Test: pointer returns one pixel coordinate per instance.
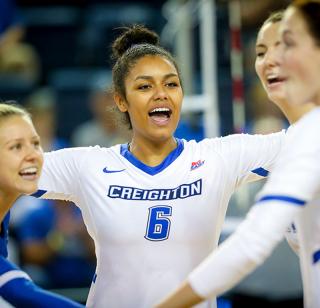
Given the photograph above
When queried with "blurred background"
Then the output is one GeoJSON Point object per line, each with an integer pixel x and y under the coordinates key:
{"type": "Point", "coordinates": [55, 60]}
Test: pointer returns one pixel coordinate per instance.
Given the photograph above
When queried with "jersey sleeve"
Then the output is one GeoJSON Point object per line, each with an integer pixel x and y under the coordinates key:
{"type": "Point", "coordinates": [18, 289]}
{"type": "Point", "coordinates": [61, 173]}
{"type": "Point", "coordinates": [292, 238]}
{"type": "Point", "coordinates": [293, 183]}
{"type": "Point", "coordinates": [250, 157]}
{"type": "Point", "coordinates": [297, 171]}
{"type": "Point", "coordinates": [244, 250]}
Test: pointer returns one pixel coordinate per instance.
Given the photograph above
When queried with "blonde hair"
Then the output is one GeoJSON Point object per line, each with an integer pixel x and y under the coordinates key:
{"type": "Point", "coordinates": [11, 108]}
{"type": "Point", "coordinates": [273, 18]}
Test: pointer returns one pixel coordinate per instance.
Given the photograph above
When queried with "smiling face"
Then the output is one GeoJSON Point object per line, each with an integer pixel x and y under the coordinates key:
{"type": "Point", "coordinates": [21, 156]}
{"type": "Point", "coordinates": [268, 62]}
{"type": "Point", "coordinates": [153, 98]}
{"type": "Point", "coordinates": [301, 59]}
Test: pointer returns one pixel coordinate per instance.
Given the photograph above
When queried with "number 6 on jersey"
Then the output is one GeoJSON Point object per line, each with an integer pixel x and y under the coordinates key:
{"type": "Point", "coordinates": [158, 226]}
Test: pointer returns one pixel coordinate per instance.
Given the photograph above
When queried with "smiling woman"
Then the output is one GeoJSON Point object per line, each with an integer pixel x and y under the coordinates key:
{"type": "Point", "coordinates": [20, 156]}
{"type": "Point", "coordinates": [21, 162]}
{"type": "Point", "coordinates": [154, 207]}
{"type": "Point", "coordinates": [151, 99]}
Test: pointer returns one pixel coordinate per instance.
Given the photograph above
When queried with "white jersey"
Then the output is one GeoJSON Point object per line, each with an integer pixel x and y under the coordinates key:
{"type": "Point", "coordinates": [153, 225]}
{"type": "Point", "coordinates": [292, 193]}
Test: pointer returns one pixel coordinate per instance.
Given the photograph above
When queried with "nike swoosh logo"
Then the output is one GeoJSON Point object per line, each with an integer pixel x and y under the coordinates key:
{"type": "Point", "coordinates": [106, 170]}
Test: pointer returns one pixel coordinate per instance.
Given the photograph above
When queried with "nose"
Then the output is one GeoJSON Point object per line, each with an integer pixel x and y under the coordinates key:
{"type": "Point", "coordinates": [33, 154]}
{"type": "Point", "coordinates": [160, 93]}
{"type": "Point", "coordinates": [281, 53]}
{"type": "Point", "coordinates": [273, 57]}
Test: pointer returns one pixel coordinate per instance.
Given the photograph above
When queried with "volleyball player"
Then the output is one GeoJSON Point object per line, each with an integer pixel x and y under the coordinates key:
{"type": "Point", "coordinates": [21, 162]}
{"type": "Point", "coordinates": [154, 207]}
{"type": "Point", "coordinates": [292, 188]}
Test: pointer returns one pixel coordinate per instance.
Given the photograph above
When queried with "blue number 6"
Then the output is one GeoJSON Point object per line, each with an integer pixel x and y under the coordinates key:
{"type": "Point", "coordinates": [158, 226]}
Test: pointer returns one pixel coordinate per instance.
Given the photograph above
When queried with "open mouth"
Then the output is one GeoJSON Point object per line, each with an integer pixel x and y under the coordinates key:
{"type": "Point", "coordinates": [160, 115]}
{"type": "Point", "coordinates": [160, 112]}
{"type": "Point", "coordinates": [29, 173]}
{"type": "Point", "coordinates": [273, 80]}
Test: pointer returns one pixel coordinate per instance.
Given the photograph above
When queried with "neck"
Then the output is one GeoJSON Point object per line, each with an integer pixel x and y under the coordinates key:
{"type": "Point", "coordinates": [152, 153]}
{"type": "Point", "coordinates": [293, 114]}
{"type": "Point", "coordinates": [6, 202]}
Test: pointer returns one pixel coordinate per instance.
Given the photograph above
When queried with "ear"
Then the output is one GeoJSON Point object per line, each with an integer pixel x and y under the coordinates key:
{"type": "Point", "coordinates": [120, 102]}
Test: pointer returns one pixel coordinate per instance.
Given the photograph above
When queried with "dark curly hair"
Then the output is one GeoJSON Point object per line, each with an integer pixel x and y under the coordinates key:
{"type": "Point", "coordinates": [134, 43]}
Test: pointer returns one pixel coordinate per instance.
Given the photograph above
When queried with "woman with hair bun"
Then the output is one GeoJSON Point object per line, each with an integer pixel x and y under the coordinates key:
{"type": "Point", "coordinates": [155, 206]}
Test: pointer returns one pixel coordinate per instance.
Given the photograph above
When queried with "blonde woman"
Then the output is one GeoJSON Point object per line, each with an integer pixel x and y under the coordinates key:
{"type": "Point", "coordinates": [21, 162]}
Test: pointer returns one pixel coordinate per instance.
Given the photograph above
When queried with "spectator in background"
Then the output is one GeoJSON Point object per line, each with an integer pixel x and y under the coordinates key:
{"type": "Point", "coordinates": [11, 29]}
{"type": "Point", "coordinates": [42, 106]}
{"type": "Point", "coordinates": [17, 58]}
{"type": "Point", "coordinates": [255, 12]}
{"type": "Point", "coordinates": [56, 249]}
{"type": "Point", "coordinates": [103, 129]}
{"type": "Point", "coordinates": [190, 127]}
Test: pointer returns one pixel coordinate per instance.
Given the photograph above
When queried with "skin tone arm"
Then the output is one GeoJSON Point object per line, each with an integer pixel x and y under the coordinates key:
{"type": "Point", "coordinates": [185, 296]}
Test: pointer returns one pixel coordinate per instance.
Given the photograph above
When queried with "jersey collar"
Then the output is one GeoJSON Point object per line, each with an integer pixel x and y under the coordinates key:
{"type": "Point", "coordinates": [156, 169]}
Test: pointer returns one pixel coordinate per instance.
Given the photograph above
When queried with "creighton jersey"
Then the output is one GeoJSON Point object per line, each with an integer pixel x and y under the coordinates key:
{"type": "Point", "coordinates": [291, 194]}
{"type": "Point", "coordinates": [300, 162]}
{"type": "Point", "coordinates": [152, 225]}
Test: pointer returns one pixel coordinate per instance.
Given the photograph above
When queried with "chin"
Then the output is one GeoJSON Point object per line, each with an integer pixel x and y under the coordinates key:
{"type": "Point", "coordinates": [277, 97]}
{"type": "Point", "coordinates": [163, 134]}
{"type": "Point", "coordinates": [29, 190]}
{"type": "Point", "coordinates": [295, 100]}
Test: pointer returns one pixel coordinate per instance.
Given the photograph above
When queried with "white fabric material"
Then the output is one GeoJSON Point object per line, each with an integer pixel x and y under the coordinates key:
{"type": "Point", "coordinates": [296, 176]}
{"type": "Point", "coordinates": [132, 269]}
{"type": "Point", "coordinates": [11, 275]}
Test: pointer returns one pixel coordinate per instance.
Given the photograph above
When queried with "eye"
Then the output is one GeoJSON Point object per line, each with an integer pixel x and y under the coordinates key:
{"type": "Point", "coordinates": [16, 146]}
{"type": "Point", "coordinates": [261, 51]}
{"type": "Point", "coordinates": [260, 54]}
{"type": "Point", "coordinates": [172, 84]}
{"type": "Point", "coordinates": [288, 42]}
{"type": "Point", "coordinates": [36, 144]}
{"type": "Point", "coordinates": [144, 86]}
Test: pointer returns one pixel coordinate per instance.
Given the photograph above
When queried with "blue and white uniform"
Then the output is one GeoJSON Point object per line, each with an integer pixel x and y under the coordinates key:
{"type": "Point", "coordinates": [17, 288]}
{"type": "Point", "coordinates": [292, 193]}
{"type": "Point", "coordinates": [153, 225]}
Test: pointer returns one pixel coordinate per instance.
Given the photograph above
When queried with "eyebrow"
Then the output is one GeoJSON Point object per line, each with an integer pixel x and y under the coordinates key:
{"type": "Point", "coordinates": [144, 77]}
{"type": "Point", "coordinates": [35, 137]}
{"type": "Point", "coordinates": [14, 140]}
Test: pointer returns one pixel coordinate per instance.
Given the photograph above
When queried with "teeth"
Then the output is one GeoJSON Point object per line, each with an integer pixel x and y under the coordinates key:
{"type": "Point", "coordinates": [160, 110]}
{"type": "Point", "coordinates": [272, 77]}
{"type": "Point", "coordinates": [29, 170]}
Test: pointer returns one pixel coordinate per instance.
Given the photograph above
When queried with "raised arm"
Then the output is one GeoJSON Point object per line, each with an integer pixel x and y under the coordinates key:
{"type": "Point", "coordinates": [240, 254]}
{"type": "Point", "coordinates": [294, 182]}
{"type": "Point", "coordinates": [250, 157]}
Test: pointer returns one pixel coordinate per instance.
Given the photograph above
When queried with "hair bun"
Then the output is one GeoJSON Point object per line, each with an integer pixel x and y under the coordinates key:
{"type": "Point", "coordinates": [136, 34]}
